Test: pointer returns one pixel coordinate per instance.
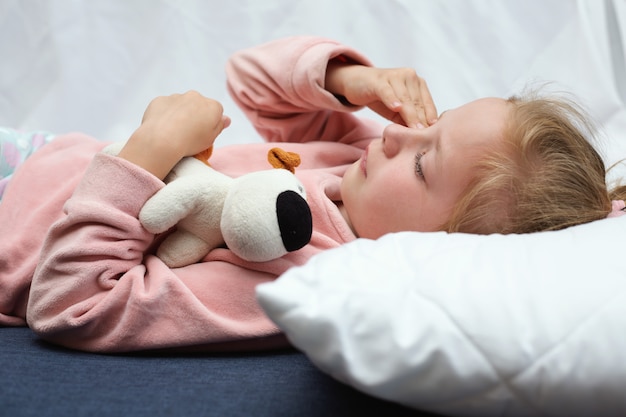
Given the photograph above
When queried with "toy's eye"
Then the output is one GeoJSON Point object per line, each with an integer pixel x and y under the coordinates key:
{"type": "Point", "coordinates": [300, 188]}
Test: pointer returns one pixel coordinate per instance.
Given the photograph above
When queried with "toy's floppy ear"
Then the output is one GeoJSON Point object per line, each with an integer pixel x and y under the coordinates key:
{"type": "Point", "coordinates": [204, 155]}
{"type": "Point", "coordinates": [280, 158]}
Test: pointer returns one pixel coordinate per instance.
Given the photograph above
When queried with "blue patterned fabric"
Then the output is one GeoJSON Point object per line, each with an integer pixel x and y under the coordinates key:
{"type": "Point", "coordinates": [15, 147]}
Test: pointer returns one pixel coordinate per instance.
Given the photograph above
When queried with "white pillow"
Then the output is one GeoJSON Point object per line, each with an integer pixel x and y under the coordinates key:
{"type": "Point", "coordinates": [468, 325]}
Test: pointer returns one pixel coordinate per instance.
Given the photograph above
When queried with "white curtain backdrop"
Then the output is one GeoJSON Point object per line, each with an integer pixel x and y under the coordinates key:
{"type": "Point", "coordinates": [93, 66]}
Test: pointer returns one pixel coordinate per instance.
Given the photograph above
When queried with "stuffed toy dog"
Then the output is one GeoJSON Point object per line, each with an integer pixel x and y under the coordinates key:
{"type": "Point", "coordinates": [259, 216]}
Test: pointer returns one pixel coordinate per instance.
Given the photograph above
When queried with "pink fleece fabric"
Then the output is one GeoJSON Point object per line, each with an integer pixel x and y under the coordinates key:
{"type": "Point", "coordinates": [77, 266]}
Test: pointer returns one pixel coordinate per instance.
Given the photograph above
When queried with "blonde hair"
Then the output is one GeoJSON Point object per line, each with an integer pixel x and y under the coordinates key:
{"type": "Point", "coordinates": [546, 175]}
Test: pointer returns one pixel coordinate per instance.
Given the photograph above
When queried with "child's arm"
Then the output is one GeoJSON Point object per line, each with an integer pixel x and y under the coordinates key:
{"type": "Point", "coordinates": [296, 90]}
{"type": "Point", "coordinates": [97, 287]}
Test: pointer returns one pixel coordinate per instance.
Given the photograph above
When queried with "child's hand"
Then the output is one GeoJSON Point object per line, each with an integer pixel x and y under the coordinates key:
{"type": "Point", "coordinates": [174, 127]}
{"type": "Point", "coordinates": [190, 120]}
{"type": "Point", "coordinates": [397, 94]}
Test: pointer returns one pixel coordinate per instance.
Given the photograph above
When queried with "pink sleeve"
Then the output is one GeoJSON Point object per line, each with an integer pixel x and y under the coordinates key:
{"type": "Point", "coordinates": [280, 87]}
{"type": "Point", "coordinates": [95, 289]}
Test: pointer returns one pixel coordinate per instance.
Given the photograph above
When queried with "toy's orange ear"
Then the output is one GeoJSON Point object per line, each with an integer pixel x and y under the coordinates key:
{"type": "Point", "coordinates": [279, 158]}
{"type": "Point", "coordinates": [204, 155]}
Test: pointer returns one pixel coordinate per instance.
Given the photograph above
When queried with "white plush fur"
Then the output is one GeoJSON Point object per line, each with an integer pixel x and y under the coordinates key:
{"type": "Point", "coordinates": [210, 209]}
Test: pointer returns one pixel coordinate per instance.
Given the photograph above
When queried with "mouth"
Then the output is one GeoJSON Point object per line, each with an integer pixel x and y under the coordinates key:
{"type": "Point", "coordinates": [363, 164]}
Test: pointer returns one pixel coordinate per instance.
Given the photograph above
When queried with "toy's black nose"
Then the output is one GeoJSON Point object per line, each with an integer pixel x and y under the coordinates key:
{"type": "Point", "coordinates": [294, 220]}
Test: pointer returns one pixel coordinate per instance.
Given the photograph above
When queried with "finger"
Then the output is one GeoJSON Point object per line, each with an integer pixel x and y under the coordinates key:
{"type": "Point", "coordinates": [222, 124]}
{"type": "Point", "coordinates": [423, 102]}
{"type": "Point", "coordinates": [387, 95]}
{"type": "Point", "coordinates": [412, 111]}
{"type": "Point", "coordinates": [225, 121]}
{"type": "Point", "coordinates": [429, 104]}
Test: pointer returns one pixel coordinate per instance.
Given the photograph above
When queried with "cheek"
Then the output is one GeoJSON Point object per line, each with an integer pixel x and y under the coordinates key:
{"type": "Point", "coordinates": [385, 204]}
{"type": "Point", "coordinates": [394, 185]}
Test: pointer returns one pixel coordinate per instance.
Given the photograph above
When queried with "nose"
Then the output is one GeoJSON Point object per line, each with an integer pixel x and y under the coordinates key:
{"type": "Point", "coordinates": [397, 137]}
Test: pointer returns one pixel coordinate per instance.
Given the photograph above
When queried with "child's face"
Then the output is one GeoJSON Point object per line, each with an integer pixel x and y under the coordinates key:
{"type": "Point", "coordinates": [384, 191]}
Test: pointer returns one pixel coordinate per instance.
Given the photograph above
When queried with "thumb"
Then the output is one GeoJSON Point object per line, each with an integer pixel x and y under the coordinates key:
{"type": "Point", "coordinates": [225, 121]}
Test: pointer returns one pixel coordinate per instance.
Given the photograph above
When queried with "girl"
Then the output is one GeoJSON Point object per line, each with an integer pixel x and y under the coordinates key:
{"type": "Point", "coordinates": [77, 266]}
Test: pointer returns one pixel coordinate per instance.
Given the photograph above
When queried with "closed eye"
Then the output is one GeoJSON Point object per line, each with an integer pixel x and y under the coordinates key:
{"type": "Point", "coordinates": [418, 166]}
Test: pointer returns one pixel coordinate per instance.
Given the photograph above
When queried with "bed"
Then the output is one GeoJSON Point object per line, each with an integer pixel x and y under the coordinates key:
{"type": "Point", "coordinates": [513, 325]}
